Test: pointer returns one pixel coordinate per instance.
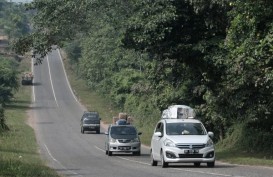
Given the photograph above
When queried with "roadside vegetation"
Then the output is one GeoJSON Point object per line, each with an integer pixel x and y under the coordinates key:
{"type": "Point", "coordinates": [19, 154]}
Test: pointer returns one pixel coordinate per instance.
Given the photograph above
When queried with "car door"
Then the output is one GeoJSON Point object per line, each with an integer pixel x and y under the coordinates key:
{"type": "Point", "coordinates": [107, 139]}
{"type": "Point", "coordinates": [156, 141]}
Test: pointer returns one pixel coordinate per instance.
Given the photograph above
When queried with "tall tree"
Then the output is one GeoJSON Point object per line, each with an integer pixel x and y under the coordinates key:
{"type": "Point", "coordinates": [8, 79]}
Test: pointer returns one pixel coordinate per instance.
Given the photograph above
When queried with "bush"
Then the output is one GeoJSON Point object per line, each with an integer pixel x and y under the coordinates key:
{"type": "Point", "coordinates": [245, 138]}
{"type": "Point", "coordinates": [3, 125]}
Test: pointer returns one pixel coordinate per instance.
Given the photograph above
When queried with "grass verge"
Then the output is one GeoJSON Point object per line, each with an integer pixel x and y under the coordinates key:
{"type": "Point", "coordinates": [19, 154]}
{"type": "Point", "coordinates": [245, 158]}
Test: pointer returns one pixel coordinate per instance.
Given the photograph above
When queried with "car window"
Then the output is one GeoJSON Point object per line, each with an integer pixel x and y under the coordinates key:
{"type": "Point", "coordinates": [123, 132]}
{"type": "Point", "coordinates": [90, 115]}
{"type": "Point", "coordinates": [120, 130]}
{"type": "Point", "coordinates": [185, 129]}
{"type": "Point", "coordinates": [91, 120]}
{"type": "Point", "coordinates": [160, 127]}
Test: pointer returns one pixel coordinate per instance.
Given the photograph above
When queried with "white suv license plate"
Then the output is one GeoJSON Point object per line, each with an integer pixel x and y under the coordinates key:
{"type": "Point", "coordinates": [191, 151]}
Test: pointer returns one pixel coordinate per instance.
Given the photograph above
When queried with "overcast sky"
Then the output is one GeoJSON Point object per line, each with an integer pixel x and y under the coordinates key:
{"type": "Point", "coordinates": [19, 0]}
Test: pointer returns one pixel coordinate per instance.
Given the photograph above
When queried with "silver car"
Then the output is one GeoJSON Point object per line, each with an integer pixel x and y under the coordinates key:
{"type": "Point", "coordinates": [122, 138]}
{"type": "Point", "coordinates": [182, 141]}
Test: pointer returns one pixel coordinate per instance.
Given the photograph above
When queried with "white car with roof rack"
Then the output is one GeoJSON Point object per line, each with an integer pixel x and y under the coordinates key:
{"type": "Point", "coordinates": [179, 138]}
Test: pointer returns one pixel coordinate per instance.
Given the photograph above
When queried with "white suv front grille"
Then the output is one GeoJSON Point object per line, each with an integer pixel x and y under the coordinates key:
{"type": "Point", "coordinates": [190, 146]}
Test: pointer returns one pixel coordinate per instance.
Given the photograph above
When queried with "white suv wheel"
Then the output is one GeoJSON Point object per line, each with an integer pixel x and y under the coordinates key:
{"type": "Point", "coordinates": [153, 162]}
{"type": "Point", "coordinates": [163, 163]}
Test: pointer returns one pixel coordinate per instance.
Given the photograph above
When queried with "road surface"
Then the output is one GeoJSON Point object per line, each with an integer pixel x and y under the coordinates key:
{"type": "Point", "coordinates": [56, 119]}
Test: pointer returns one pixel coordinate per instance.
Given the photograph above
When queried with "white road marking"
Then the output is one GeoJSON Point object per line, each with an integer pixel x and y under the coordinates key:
{"type": "Point", "coordinates": [51, 81]}
{"type": "Point", "coordinates": [206, 173]}
{"type": "Point", "coordinates": [99, 149]}
{"type": "Point", "coordinates": [143, 163]}
{"type": "Point", "coordinates": [191, 171]}
{"type": "Point", "coordinates": [51, 156]}
{"type": "Point", "coordinates": [67, 77]}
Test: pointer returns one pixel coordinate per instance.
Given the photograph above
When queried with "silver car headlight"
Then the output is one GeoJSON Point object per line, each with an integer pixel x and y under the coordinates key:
{"type": "Point", "coordinates": [112, 140]}
{"type": "Point", "coordinates": [169, 143]}
{"type": "Point", "coordinates": [209, 143]}
{"type": "Point", "coordinates": [135, 140]}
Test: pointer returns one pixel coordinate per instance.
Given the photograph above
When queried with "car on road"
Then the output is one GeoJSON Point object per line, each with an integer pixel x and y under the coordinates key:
{"type": "Point", "coordinates": [90, 121]}
{"type": "Point", "coordinates": [27, 78]}
{"type": "Point", "coordinates": [182, 141]}
{"type": "Point", "coordinates": [122, 138]}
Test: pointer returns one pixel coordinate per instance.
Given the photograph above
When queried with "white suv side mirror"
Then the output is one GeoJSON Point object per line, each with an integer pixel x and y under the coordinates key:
{"type": "Point", "coordinates": [158, 134]}
{"type": "Point", "coordinates": [211, 134]}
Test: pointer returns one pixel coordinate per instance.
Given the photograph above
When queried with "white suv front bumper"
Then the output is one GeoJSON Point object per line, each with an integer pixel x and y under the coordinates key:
{"type": "Point", "coordinates": [176, 155]}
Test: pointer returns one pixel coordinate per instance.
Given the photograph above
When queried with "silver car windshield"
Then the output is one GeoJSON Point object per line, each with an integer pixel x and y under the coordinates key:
{"type": "Point", "coordinates": [123, 132]}
{"type": "Point", "coordinates": [185, 129]}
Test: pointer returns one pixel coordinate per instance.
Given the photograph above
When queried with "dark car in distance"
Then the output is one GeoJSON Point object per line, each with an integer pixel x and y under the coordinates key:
{"type": "Point", "coordinates": [90, 121]}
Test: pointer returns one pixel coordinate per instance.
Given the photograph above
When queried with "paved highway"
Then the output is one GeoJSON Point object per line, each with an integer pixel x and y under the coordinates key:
{"type": "Point", "coordinates": [56, 120]}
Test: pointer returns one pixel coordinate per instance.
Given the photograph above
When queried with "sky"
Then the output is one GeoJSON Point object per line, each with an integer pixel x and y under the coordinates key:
{"type": "Point", "coordinates": [19, 0]}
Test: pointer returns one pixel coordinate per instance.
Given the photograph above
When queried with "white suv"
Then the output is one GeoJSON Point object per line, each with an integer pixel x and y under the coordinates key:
{"type": "Point", "coordinates": [182, 141]}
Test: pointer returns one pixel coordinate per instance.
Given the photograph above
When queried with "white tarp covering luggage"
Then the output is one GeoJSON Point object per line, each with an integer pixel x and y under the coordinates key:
{"type": "Point", "coordinates": [178, 112]}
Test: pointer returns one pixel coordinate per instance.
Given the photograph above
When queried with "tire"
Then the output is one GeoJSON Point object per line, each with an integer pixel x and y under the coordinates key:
{"type": "Point", "coordinates": [98, 131]}
{"type": "Point", "coordinates": [197, 164]}
{"type": "Point", "coordinates": [106, 152]}
{"type": "Point", "coordinates": [82, 130]}
{"type": "Point", "coordinates": [153, 162]}
{"type": "Point", "coordinates": [163, 163]}
{"type": "Point", "coordinates": [110, 153]}
{"type": "Point", "coordinates": [211, 164]}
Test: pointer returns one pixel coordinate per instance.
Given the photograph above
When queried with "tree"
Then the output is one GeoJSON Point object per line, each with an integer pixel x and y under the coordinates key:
{"type": "Point", "coordinates": [8, 80]}
{"type": "Point", "coordinates": [54, 23]}
{"type": "Point", "coordinates": [8, 83]}
{"type": "Point", "coordinates": [249, 76]}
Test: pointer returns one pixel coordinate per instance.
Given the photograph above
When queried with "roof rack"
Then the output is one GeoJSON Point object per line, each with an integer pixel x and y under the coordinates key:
{"type": "Point", "coordinates": [178, 112]}
{"type": "Point", "coordinates": [122, 119]}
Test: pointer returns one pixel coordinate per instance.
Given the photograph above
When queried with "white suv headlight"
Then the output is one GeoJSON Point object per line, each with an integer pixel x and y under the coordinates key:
{"type": "Point", "coordinates": [169, 143]}
{"type": "Point", "coordinates": [209, 143]}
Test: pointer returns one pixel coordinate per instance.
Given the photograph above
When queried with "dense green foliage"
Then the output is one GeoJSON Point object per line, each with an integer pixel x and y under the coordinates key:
{"type": "Point", "coordinates": [13, 19]}
{"type": "Point", "coordinates": [8, 84]}
{"type": "Point", "coordinates": [13, 24]}
{"type": "Point", "coordinates": [8, 79]}
{"type": "Point", "coordinates": [145, 55]}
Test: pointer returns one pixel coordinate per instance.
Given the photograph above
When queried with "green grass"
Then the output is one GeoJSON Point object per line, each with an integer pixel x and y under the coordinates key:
{"type": "Point", "coordinates": [244, 158]}
{"type": "Point", "coordinates": [19, 154]}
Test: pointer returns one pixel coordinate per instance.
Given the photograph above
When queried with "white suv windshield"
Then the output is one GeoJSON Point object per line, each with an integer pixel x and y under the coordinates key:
{"type": "Point", "coordinates": [185, 129]}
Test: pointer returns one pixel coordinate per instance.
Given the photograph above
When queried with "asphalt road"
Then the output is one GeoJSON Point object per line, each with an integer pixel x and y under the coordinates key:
{"type": "Point", "coordinates": [56, 119]}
